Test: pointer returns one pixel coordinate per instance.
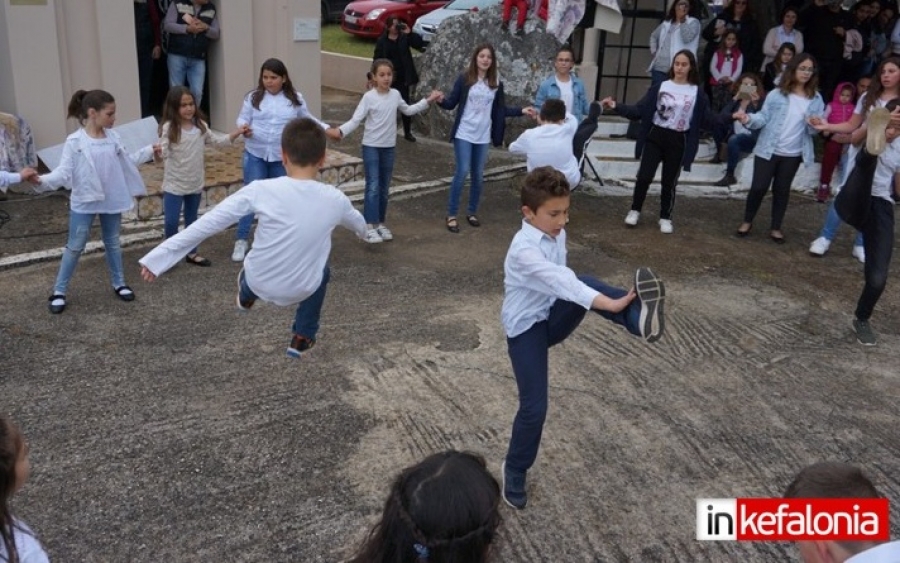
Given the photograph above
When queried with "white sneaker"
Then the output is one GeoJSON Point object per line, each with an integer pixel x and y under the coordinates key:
{"type": "Point", "coordinates": [372, 236]}
{"type": "Point", "coordinates": [819, 246]}
{"type": "Point", "coordinates": [665, 226]}
{"type": "Point", "coordinates": [385, 233]}
{"type": "Point", "coordinates": [632, 218]}
{"type": "Point", "coordinates": [240, 250]}
{"type": "Point", "coordinates": [859, 252]}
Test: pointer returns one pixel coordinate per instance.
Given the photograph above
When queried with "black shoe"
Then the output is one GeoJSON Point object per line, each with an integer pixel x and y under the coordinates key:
{"type": "Point", "coordinates": [409, 137]}
{"type": "Point", "coordinates": [715, 159]}
{"type": "Point", "coordinates": [56, 303]}
{"type": "Point", "coordinates": [299, 346]}
{"type": "Point", "coordinates": [726, 181]}
{"type": "Point", "coordinates": [652, 293]}
{"type": "Point", "coordinates": [124, 293]}
{"type": "Point", "coordinates": [473, 220]}
{"type": "Point", "coordinates": [243, 305]}
{"type": "Point", "coordinates": [514, 488]}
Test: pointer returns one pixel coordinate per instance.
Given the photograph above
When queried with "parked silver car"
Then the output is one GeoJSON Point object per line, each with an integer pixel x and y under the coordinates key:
{"type": "Point", "coordinates": [427, 25]}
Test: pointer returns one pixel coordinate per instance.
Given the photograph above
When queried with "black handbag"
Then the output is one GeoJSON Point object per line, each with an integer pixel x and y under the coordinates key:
{"type": "Point", "coordinates": [853, 201]}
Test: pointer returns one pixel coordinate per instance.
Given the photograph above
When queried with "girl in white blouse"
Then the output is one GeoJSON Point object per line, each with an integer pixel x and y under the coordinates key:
{"type": "Point", "coordinates": [266, 110]}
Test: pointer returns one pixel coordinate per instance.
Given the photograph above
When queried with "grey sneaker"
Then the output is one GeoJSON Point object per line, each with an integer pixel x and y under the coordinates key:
{"type": "Point", "coordinates": [513, 488]}
{"type": "Point", "coordinates": [652, 293]}
{"type": "Point", "coordinates": [864, 333]}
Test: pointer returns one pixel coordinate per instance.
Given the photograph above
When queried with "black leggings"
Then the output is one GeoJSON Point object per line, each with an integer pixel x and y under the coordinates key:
{"type": "Point", "coordinates": [666, 146]}
{"type": "Point", "coordinates": [779, 172]}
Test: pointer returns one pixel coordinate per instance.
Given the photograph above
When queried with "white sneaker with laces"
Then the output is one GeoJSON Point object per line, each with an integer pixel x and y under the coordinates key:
{"type": "Point", "coordinates": [859, 252]}
{"type": "Point", "coordinates": [385, 233]}
{"type": "Point", "coordinates": [372, 236]}
{"type": "Point", "coordinates": [240, 250]}
{"type": "Point", "coordinates": [665, 226]}
{"type": "Point", "coordinates": [819, 246]}
{"type": "Point", "coordinates": [632, 218]}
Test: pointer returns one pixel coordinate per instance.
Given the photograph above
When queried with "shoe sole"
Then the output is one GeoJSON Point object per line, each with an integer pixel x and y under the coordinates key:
{"type": "Point", "coordinates": [503, 489]}
{"type": "Point", "coordinates": [652, 293]}
{"type": "Point", "coordinates": [876, 123]}
{"type": "Point", "coordinates": [295, 354]}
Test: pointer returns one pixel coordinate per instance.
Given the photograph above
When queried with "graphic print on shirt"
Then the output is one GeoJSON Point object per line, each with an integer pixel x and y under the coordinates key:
{"type": "Point", "coordinates": [673, 110]}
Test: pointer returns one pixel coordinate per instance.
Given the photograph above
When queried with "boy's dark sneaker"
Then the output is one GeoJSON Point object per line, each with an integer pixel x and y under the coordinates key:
{"type": "Point", "coordinates": [864, 333]}
{"type": "Point", "coordinates": [299, 346]}
{"type": "Point", "coordinates": [652, 293]}
{"type": "Point", "coordinates": [513, 488]}
{"type": "Point", "coordinates": [243, 304]}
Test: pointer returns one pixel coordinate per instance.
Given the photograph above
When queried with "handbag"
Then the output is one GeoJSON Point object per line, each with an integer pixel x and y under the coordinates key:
{"type": "Point", "coordinates": [853, 201]}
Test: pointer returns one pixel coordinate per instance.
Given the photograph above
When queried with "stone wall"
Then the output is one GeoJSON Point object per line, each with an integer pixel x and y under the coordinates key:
{"type": "Point", "coordinates": [523, 63]}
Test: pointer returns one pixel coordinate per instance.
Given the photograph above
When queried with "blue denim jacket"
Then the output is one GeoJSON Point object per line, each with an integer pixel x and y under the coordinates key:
{"type": "Point", "coordinates": [771, 120]}
{"type": "Point", "coordinates": [549, 90]}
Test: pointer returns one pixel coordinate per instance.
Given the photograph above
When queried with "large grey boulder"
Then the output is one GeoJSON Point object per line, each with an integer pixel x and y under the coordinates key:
{"type": "Point", "coordinates": [523, 62]}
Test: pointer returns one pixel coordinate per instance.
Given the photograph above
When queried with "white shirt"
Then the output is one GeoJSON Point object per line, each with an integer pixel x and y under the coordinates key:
{"type": "Point", "coordinates": [884, 553]}
{"type": "Point", "coordinates": [267, 123]}
{"type": "Point", "coordinates": [790, 142]}
{"type": "Point", "coordinates": [675, 106]}
{"type": "Point", "coordinates": [550, 145]}
{"type": "Point", "coordinates": [888, 166]}
{"type": "Point", "coordinates": [565, 94]}
{"type": "Point", "coordinates": [293, 236]}
{"type": "Point", "coordinates": [27, 546]}
{"type": "Point", "coordinates": [475, 123]}
{"type": "Point", "coordinates": [185, 164]}
{"type": "Point", "coordinates": [7, 178]}
{"type": "Point", "coordinates": [380, 113]}
{"type": "Point", "coordinates": [116, 198]}
{"type": "Point", "coordinates": [535, 276]}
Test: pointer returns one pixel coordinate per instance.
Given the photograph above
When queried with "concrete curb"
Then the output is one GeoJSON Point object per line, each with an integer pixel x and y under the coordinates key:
{"type": "Point", "coordinates": [151, 230]}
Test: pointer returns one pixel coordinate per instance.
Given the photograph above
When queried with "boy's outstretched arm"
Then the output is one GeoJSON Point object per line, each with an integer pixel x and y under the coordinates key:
{"type": "Point", "coordinates": [604, 303]}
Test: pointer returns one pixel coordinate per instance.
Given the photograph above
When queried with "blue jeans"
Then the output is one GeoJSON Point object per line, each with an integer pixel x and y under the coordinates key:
{"type": "Point", "coordinates": [79, 233]}
{"type": "Point", "coordinates": [738, 145]}
{"type": "Point", "coordinates": [194, 70]}
{"type": "Point", "coordinates": [832, 222]}
{"type": "Point", "coordinates": [256, 168]}
{"type": "Point", "coordinates": [172, 210]}
{"type": "Point", "coordinates": [379, 165]}
{"type": "Point", "coordinates": [878, 231]}
{"type": "Point", "coordinates": [469, 158]}
{"type": "Point", "coordinates": [529, 354]}
{"type": "Point", "coordinates": [306, 318]}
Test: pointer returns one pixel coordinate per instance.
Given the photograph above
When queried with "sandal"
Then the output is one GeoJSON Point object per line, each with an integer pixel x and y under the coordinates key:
{"type": "Point", "coordinates": [125, 293]}
{"type": "Point", "coordinates": [197, 260]}
{"type": "Point", "coordinates": [473, 220]}
{"type": "Point", "coordinates": [56, 303]}
{"type": "Point", "coordinates": [452, 225]}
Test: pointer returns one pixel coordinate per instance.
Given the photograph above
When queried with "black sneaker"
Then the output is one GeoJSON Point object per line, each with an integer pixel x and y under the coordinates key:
{"type": "Point", "coordinates": [652, 293]}
{"type": "Point", "coordinates": [727, 180]}
{"type": "Point", "coordinates": [243, 304]}
{"type": "Point", "coordinates": [299, 346]}
{"type": "Point", "coordinates": [56, 303]}
{"type": "Point", "coordinates": [864, 333]}
{"type": "Point", "coordinates": [513, 488]}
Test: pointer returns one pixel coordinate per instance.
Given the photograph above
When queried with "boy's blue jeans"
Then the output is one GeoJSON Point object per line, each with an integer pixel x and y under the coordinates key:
{"type": "Point", "coordinates": [306, 318]}
{"type": "Point", "coordinates": [172, 211]}
{"type": "Point", "coordinates": [529, 353]}
{"type": "Point", "coordinates": [832, 222]}
{"type": "Point", "coordinates": [379, 166]}
{"type": "Point", "coordinates": [470, 160]}
{"type": "Point", "coordinates": [79, 233]}
{"type": "Point", "coordinates": [256, 168]}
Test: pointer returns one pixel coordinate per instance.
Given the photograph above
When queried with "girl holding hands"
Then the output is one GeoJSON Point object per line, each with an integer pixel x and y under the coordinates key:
{"type": "Point", "coordinates": [378, 107]}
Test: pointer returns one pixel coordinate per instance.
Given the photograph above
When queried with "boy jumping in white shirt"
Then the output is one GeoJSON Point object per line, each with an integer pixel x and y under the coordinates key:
{"type": "Point", "coordinates": [288, 263]}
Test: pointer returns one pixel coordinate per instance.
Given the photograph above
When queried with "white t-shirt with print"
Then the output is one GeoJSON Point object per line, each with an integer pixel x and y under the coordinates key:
{"type": "Point", "coordinates": [675, 106]}
{"type": "Point", "coordinates": [475, 124]}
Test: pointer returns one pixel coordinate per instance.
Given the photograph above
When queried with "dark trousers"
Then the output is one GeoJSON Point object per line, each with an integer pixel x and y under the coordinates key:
{"type": "Point", "coordinates": [143, 35]}
{"type": "Point", "coordinates": [779, 172]}
{"type": "Point", "coordinates": [878, 239]}
{"type": "Point", "coordinates": [404, 93]}
{"type": "Point", "coordinates": [529, 353]}
{"type": "Point", "coordinates": [666, 146]}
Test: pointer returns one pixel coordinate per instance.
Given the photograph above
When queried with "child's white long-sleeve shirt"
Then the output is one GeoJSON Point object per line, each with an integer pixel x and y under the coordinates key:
{"type": "Point", "coordinates": [550, 145]}
{"type": "Point", "coordinates": [380, 113]}
{"type": "Point", "coordinates": [7, 178]}
{"type": "Point", "coordinates": [293, 236]}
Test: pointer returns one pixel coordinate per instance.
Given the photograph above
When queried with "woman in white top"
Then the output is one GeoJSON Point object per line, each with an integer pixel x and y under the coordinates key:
{"type": "Point", "coordinates": [183, 135]}
{"type": "Point", "coordinates": [266, 110]}
{"type": "Point", "coordinates": [784, 33]}
{"type": "Point", "coordinates": [784, 141]}
{"type": "Point", "coordinates": [104, 180]}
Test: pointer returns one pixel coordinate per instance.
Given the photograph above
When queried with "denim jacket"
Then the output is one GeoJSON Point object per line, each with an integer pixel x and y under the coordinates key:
{"type": "Point", "coordinates": [549, 90]}
{"type": "Point", "coordinates": [771, 120]}
{"type": "Point", "coordinates": [76, 168]}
